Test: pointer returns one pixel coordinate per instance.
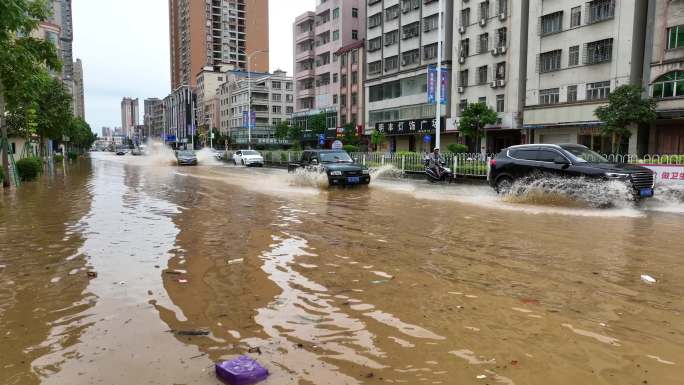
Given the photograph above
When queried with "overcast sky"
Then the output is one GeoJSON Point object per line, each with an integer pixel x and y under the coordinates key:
{"type": "Point", "coordinates": [124, 45]}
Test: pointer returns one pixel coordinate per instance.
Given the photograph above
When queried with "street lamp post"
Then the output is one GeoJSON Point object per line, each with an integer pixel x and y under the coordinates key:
{"type": "Point", "coordinates": [249, 95]}
{"type": "Point", "coordinates": [438, 83]}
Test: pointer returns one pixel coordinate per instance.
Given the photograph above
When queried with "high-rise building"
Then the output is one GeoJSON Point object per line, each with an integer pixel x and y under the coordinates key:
{"type": "Point", "coordinates": [107, 133]}
{"type": "Point", "coordinates": [317, 36]}
{"type": "Point", "coordinates": [491, 66]}
{"type": "Point", "coordinates": [179, 119]}
{"type": "Point", "coordinates": [79, 103]}
{"type": "Point", "coordinates": [153, 117]}
{"type": "Point", "coordinates": [129, 115]}
{"type": "Point", "coordinates": [208, 88]}
{"type": "Point", "coordinates": [664, 77]}
{"type": "Point", "coordinates": [214, 32]}
{"type": "Point", "coordinates": [401, 44]}
{"type": "Point", "coordinates": [578, 52]}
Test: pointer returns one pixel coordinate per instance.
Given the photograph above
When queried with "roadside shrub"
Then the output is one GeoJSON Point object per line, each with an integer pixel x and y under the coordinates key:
{"type": "Point", "coordinates": [59, 158]}
{"type": "Point", "coordinates": [29, 168]}
{"type": "Point", "coordinates": [350, 148]}
{"type": "Point", "coordinates": [72, 155]}
{"type": "Point", "coordinates": [283, 157]}
{"type": "Point", "coordinates": [456, 148]}
{"type": "Point", "coordinates": [406, 153]}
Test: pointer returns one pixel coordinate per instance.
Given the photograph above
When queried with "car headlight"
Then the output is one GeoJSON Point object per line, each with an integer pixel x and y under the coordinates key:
{"type": "Point", "coordinates": [616, 175]}
{"type": "Point", "coordinates": [335, 173]}
{"type": "Point", "coordinates": [365, 172]}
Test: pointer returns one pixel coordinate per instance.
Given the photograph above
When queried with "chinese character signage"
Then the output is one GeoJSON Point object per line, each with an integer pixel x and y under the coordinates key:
{"type": "Point", "coordinates": [432, 85]}
{"type": "Point", "coordinates": [667, 173]}
{"type": "Point", "coordinates": [245, 119]}
{"type": "Point", "coordinates": [409, 127]}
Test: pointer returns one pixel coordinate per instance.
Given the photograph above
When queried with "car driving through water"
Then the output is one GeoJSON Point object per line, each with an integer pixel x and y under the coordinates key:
{"type": "Point", "coordinates": [186, 158]}
{"type": "Point", "coordinates": [339, 167]}
{"type": "Point", "coordinates": [568, 161]}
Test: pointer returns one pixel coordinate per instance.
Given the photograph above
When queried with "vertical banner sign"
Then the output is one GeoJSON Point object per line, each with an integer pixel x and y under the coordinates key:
{"type": "Point", "coordinates": [245, 120]}
{"type": "Point", "coordinates": [431, 84]}
{"type": "Point", "coordinates": [444, 83]}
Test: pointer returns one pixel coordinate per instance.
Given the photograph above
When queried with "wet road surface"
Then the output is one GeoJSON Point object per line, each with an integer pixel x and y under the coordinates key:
{"type": "Point", "coordinates": [401, 282]}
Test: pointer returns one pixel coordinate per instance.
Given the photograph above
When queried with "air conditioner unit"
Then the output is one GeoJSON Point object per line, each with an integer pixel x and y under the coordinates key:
{"type": "Point", "coordinates": [461, 90]}
{"type": "Point", "coordinates": [502, 16]}
{"type": "Point", "coordinates": [461, 30]}
{"type": "Point", "coordinates": [502, 50]}
{"type": "Point", "coordinates": [495, 51]}
{"type": "Point", "coordinates": [461, 59]}
{"type": "Point", "coordinates": [493, 84]}
{"type": "Point", "coordinates": [501, 82]}
{"type": "Point", "coordinates": [483, 22]}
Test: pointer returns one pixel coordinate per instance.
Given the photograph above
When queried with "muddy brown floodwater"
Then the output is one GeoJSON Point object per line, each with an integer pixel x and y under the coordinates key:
{"type": "Point", "coordinates": [397, 283]}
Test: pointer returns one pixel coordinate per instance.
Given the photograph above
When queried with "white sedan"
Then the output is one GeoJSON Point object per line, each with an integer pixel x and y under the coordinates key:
{"type": "Point", "coordinates": [248, 158]}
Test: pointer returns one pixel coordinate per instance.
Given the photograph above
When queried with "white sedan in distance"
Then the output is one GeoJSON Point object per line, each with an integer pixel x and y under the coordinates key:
{"type": "Point", "coordinates": [248, 158]}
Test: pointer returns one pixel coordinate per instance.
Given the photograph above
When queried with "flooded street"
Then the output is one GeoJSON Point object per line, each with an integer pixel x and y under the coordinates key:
{"type": "Point", "coordinates": [401, 282]}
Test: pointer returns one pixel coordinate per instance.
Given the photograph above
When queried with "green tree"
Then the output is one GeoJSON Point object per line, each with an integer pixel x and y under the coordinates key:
{"type": "Point", "coordinates": [80, 135]}
{"type": "Point", "coordinates": [294, 134]}
{"type": "Point", "coordinates": [317, 124]}
{"type": "Point", "coordinates": [473, 120]}
{"type": "Point", "coordinates": [625, 108]}
{"type": "Point", "coordinates": [377, 139]}
{"type": "Point", "coordinates": [282, 130]}
{"type": "Point", "coordinates": [350, 136]}
{"type": "Point", "coordinates": [54, 113]}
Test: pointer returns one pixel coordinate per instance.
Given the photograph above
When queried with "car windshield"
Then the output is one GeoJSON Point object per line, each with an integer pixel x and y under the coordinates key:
{"type": "Point", "coordinates": [186, 153]}
{"type": "Point", "coordinates": [584, 155]}
{"type": "Point", "coordinates": [249, 152]}
{"type": "Point", "coordinates": [335, 157]}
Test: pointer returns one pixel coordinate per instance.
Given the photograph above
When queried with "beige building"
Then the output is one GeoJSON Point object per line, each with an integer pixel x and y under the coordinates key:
{"type": "Point", "coordinates": [129, 116]}
{"type": "Point", "coordinates": [664, 77]}
{"type": "Point", "coordinates": [79, 93]}
{"type": "Point", "coordinates": [578, 52]}
{"type": "Point", "coordinates": [490, 43]}
{"type": "Point", "coordinates": [212, 32]}
{"type": "Point", "coordinates": [351, 59]}
{"type": "Point", "coordinates": [208, 88]}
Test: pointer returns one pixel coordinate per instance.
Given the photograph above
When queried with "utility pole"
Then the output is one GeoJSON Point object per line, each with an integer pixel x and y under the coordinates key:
{"type": "Point", "coordinates": [438, 83]}
{"type": "Point", "coordinates": [249, 95]}
{"type": "Point", "coordinates": [5, 143]}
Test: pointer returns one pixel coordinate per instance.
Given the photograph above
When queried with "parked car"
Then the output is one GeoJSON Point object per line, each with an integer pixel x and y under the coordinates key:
{"type": "Point", "coordinates": [248, 158]}
{"type": "Point", "coordinates": [186, 158]}
{"type": "Point", "coordinates": [218, 154]}
{"type": "Point", "coordinates": [137, 151]}
{"type": "Point", "coordinates": [565, 160]}
{"type": "Point", "coordinates": [336, 164]}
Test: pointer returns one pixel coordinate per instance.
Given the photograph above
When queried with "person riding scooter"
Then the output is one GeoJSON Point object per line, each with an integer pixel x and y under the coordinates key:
{"type": "Point", "coordinates": [436, 162]}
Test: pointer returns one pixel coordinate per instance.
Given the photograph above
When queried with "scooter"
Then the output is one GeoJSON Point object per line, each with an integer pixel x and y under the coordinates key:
{"type": "Point", "coordinates": [446, 175]}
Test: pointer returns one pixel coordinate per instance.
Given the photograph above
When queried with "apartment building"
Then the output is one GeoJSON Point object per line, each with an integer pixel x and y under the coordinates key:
{"type": "Point", "coordinates": [209, 81]}
{"type": "Point", "coordinates": [664, 77]}
{"type": "Point", "coordinates": [578, 53]}
{"type": "Point", "coordinates": [352, 59]}
{"type": "Point", "coordinates": [491, 66]}
{"type": "Point", "coordinates": [402, 43]}
{"type": "Point", "coordinates": [317, 36]}
{"type": "Point", "coordinates": [153, 117]}
{"type": "Point", "coordinates": [213, 32]}
{"type": "Point", "coordinates": [272, 102]}
{"type": "Point", "coordinates": [130, 110]}
{"type": "Point", "coordinates": [79, 92]}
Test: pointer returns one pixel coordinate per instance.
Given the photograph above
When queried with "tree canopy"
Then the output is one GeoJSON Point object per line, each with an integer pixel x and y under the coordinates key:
{"type": "Point", "coordinates": [625, 108]}
{"type": "Point", "coordinates": [474, 118]}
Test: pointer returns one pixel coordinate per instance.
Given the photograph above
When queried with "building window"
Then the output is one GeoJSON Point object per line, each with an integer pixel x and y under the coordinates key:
{"type": "Point", "coordinates": [354, 56]}
{"type": "Point", "coordinates": [391, 63]}
{"type": "Point", "coordinates": [501, 71]}
{"type": "Point", "coordinates": [551, 23]}
{"type": "Point", "coordinates": [482, 99]}
{"type": "Point", "coordinates": [548, 96]}
{"type": "Point", "coordinates": [430, 52]}
{"type": "Point", "coordinates": [465, 17]}
{"type": "Point", "coordinates": [669, 85]}
{"type": "Point", "coordinates": [600, 10]}
{"type": "Point", "coordinates": [410, 58]}
{"type": "Point", "coordinates": [501, 35]}
{"type": "Point", "coordinates": [335, 99]}
{"type": "Point", "coordinates": [573, 56]}
{"type": "Point", "coordinates": [334, 78]}
{"type": "Point", "coordinates": [465, 48]}
{"type": "Point", "coordinates": [572, 94]}
{"type": "Point", "coordinates": [430, 23]}
{"type": "Point", "coordinates": [336, 13]}
{"type": "Point", "coordinates": [288, 86]}
{"type": "Point", "coordinates": [482, 75]}
{"type": "Point", "coordinates": [550, 61]}
{"type": "Point", "coordinates": [375, 67]}
{"type": "Point", "coordinates": [355, 12]}
{"type": "Point", "coordinates": [675, 37]}
{"type": "Point", "coordinates": [500, 103]}
{"type": "Point", "coordinates": [391, 37]}
{"type": "Point", "coordinates": [355, 34]}
{"type": "Point", "coordinates": [336, 35]}
{"type": "Point", "coordinates": [463, 78]}
{"type": "Point", "coordinates": [354, 77]}
{"type": "Point", "coordinates": [575, 17]}
{"type": "Point", "coordinates": [276, 85]}
{"type": "Point", "coordinates": [289, 109]}
{"type": "Point", "coordinates": [374, 44]}
{"type": "Point", "coordinates": [343, 80]}
{"type": "Point", "coordinates": [276, 109]}
{"type": "Point", "coordinates": [410, 30]}
{"type": "Point", "coordinates": [289, 98]}
{"type": "Point", "coordinates": [354, 99]}
{"type": "Point", "coordinates": [502, 6]}
{"type": "Point", "coordinates": [484, 10]}
{"type": "Point", "coordinates": [598, 91]}
{"type": "Point", "coordinates": [409, 5]}
{"type": "Point", "coordinates": [462, 105]}
{"type": "Point", "coordinates": [599, 51]}
{"type": "Point", "coordinates": [277, 97]}
{"type": "Point", "coordinates": [374, 20]}
{"type": "Point", "coordinates": [483, 43]}
{"type": "Point", "coordinates": [392, 12]}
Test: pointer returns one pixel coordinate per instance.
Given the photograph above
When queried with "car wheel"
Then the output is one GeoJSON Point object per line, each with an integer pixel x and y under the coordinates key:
{"type": "Point", "coordinates": [234, 162]}
{"type": "Point", "coordinates": [503, 185]}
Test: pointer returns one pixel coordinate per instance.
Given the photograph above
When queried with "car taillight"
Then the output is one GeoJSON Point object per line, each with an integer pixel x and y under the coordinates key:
{"type": "Point", "coordinates": [492, 163]}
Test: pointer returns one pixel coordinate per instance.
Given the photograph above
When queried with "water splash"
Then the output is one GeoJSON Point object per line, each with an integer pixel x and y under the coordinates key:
{"type": "Point", "coordinates": [305, 178]}
{"type": "Point", "coordinates": [668, 198]}
{"type": "Point", "coordinates": [387, 171]}
{"type": "Point", "coordinates": [571, 192]}
{"type": "Point", "coordinates": [158, 154]}
{"type": "Point", "coordinates": [206, 156]}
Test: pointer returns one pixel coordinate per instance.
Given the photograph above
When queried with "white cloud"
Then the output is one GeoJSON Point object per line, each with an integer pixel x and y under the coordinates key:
{"type": "Point", "coordinates": [124, 45]}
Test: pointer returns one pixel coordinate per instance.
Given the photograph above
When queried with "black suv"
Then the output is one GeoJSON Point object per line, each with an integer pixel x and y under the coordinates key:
{"type": "Point", "coordinates": [566, 160]}
{"type": "Point", "coordinates": [337, 164]}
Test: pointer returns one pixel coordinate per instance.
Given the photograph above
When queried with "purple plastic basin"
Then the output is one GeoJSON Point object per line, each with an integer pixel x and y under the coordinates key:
{"type": "Point", "coordinates": [241, 371]}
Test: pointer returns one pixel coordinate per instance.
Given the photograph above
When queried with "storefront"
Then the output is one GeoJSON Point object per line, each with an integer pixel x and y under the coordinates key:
{"type": "Point", "coordinates": [417, 135]}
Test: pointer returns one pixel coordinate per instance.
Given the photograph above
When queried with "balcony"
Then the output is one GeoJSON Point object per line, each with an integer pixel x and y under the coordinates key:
{"type": "Point", "coordinates": [305, 73]}
{"type": "Point", "coordinates": [303, 36]}
{"type": "Point", "coordinates": [308, 54]}
{"type": "Point", "coordinates": [306, 93]}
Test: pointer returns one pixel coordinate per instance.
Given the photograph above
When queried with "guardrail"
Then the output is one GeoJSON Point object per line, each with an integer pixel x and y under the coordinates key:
{"type": "Point", "coordinates": [645, 159]}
